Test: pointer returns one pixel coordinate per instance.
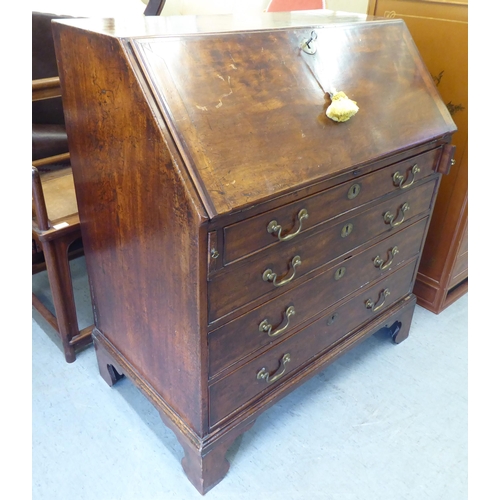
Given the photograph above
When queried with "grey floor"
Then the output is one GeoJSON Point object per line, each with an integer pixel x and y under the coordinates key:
{"type": "Point", "coordinates": [383, 422]}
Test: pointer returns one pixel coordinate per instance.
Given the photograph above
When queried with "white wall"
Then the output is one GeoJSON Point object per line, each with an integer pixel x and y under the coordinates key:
{"type": "Point", "coordinates": [360, 6]}
{"type": "Point", "coordinates": [118, 8]}
{"type": "Point", "coordinates": [90, 8]}
{"type": "Point", "coordinates": [176, 7]}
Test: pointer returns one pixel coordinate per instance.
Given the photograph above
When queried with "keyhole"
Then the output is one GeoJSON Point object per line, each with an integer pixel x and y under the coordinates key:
{"type": "Point", "coordinates": [307, 44]}
{"type": "Point", "coordinates": [346, 230]}
{"type": "Point", "coordinates": [339, 273]}
{"type": "Point", "coordinates": [314, 36]}
{"type": "Point", "coordinates": [331, 319]}
{"type": "Point", "coordinates": [353, 191]}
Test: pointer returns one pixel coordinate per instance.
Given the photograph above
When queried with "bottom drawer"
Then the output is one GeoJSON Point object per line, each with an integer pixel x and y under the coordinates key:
{"type": "Point", "coordinates": [279, 362]}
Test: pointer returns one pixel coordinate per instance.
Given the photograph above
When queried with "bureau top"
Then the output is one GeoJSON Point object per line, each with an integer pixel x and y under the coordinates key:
{"type": "Point", "coordinates": [142, 26]}
{"type": "Point", "coordinates": [246, 104]}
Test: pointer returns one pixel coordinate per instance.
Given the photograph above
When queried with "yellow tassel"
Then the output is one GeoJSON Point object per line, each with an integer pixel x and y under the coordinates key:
{"type": "Point", "coordinates": [342, 108]}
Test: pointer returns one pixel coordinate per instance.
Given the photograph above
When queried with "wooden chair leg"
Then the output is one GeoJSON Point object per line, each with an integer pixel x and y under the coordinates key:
{"type": "Point", "coordinates": [61, 286]}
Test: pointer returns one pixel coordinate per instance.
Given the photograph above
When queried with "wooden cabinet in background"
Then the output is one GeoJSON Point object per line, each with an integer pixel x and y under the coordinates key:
{"type": "Point", "coordinates": [440, 31]}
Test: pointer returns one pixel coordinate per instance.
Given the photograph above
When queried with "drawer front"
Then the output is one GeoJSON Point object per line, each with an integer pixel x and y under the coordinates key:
{"type": "Point", "coordinates": [235, 286]}
{"type": "Point", "coordinates": [285, 314]}
{"type": "Point", "coordinates": [295, 219]}
{"type": "Point", "coordinates": [278, 363]}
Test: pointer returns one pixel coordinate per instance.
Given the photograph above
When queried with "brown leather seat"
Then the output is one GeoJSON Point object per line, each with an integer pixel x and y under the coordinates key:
{"type": "Point", "coordinates": [49, 134]}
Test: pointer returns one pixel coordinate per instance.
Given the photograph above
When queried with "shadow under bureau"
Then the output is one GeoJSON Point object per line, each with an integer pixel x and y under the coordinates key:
{"type": "Point", "coordinates": [237, 239]}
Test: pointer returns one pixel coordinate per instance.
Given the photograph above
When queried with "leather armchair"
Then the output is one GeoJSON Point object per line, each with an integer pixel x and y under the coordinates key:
{"type": "Point", "coordinates": [48, 132]}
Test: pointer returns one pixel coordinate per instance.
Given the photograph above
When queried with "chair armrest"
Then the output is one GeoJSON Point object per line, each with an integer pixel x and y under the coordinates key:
{"type": "Point", "coordinates": [45, 88]}
{"type": "Point", "coordinates": [51, 160]}
{"type": "Point", "coordinates": [39, 200]}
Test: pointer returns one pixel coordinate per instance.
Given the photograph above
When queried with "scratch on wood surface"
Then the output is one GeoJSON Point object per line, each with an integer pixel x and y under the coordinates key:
{"type": "Point", "coordinates": [225, 95]}
{"type": "Point", "coordinates": [203, 108]}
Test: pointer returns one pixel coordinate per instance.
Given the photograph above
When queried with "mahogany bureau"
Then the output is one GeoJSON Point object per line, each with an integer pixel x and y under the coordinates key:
{"type": "Point", "coordinates": [237, 239]}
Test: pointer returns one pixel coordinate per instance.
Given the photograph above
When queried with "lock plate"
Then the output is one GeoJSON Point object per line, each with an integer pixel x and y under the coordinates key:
{"type": "Point", "coordinates": [339, 273]}
{"type": "Point", "coordinates": [308, 45]}
{"type": "Point", "coordinates": [331, 319]}
{"type": "Point", "coordinates": [353, 191]}
{"type": "Point", "coordinates": [346, 230]}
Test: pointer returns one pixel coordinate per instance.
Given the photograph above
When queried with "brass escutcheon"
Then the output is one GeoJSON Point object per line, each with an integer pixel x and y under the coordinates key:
{"type": "Point", "coordinates": [265, 326]}
{"type": "Point", "coordinates": [354, 190]}
{"type": "Point", "coordinates": [339, 273]}
{"type": "Point", "coordinates": [263, 374]}
{"type": "Point", "coordinates": [269, 275]}
{"type": "Point", "coordinates": [346, 230]}
{"type": "Point", "coordinates": [399, 179]}
{"type": "Point", "coordinates": [274, 227]}
{"type": "Point", "coordinates": [331, 319]}
{"type": "Point", "coordinates": [308, 45]}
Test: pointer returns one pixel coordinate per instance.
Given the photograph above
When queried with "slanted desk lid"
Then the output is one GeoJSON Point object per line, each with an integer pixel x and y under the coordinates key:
{"type": "Point", "coordinates": [247, 109]}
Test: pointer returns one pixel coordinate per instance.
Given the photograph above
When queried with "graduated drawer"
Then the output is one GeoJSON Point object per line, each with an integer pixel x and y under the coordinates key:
{"type": "Point", "coordinates": [246, 237]}
{"type": "Point", "coordinates": [241, 283]}
{"type": "Point", "coordinates": [285, 314]}
{"type": "Point", "coordinates": [281, 361]}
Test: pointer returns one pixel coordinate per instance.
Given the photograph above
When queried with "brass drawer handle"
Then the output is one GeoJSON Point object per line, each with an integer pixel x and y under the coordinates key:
{"type": "Point", "coordinates": [274, 227]}
{"type": "Point", "coordinates": [399, 179]}
{"type": "Point", "coordinates": [264, 374]}
{"type": "Point", "coordinates": [379, 262]}
{"type": "Point", "coordinates": [265, 326]}
{"type": "Point", "coordinates": [389, 218]}
{"type": "Point", "coordinates": [270, 276]}
{"type": "Point", "coordinates": [371, 305]}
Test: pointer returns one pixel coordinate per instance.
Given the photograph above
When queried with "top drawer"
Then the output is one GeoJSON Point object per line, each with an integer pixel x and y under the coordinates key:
{"type": "Point", "coordinates": [294, 219]}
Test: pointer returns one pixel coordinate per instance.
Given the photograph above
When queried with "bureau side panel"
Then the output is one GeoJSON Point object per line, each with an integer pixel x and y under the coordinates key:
{"type": "Point", "coordinates": [142, 223]}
